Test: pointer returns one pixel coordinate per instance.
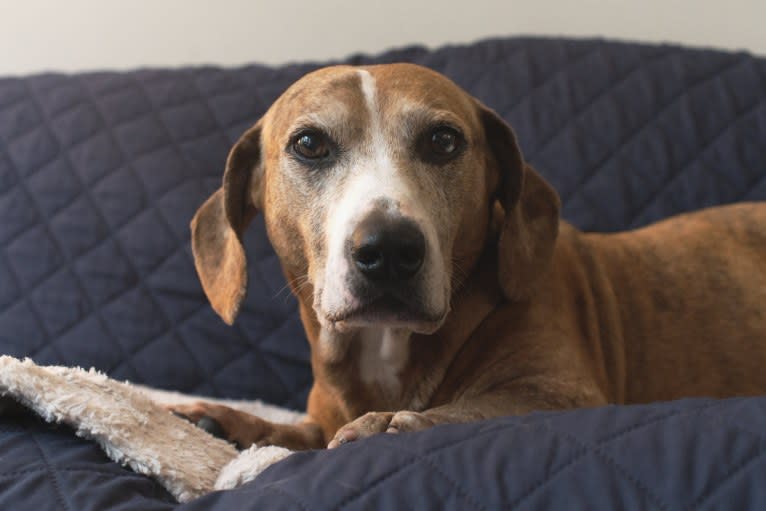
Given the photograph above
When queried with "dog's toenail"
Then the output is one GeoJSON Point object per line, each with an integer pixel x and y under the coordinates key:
{"type": "Point", "coordinates": [180, 415]}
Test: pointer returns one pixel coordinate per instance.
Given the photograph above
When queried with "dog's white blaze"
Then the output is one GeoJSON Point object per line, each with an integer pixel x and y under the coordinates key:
{"type": "Point", "coordinates": [384, 353]}
{"type": "Point", "coordinates": [379, 142]}
{"type": "Point", "coordinates": [373, 176]}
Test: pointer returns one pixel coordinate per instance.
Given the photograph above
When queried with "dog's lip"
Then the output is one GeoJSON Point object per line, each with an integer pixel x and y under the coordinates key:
{"type": "Point", "coordinates": [383, 305]}
{"type": "Point", "coordinates": [386, 310]}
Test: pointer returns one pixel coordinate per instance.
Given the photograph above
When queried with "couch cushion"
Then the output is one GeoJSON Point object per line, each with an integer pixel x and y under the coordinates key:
{"type": "Point", "coordinates": [691, 454]}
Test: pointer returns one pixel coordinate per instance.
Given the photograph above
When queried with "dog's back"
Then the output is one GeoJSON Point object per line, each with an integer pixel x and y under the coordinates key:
{"type": "Point", "coordinates": [690, 293]}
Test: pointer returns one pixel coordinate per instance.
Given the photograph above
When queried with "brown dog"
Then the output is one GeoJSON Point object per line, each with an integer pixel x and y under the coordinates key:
{"type": "Point", "coordinates": [437, 283]}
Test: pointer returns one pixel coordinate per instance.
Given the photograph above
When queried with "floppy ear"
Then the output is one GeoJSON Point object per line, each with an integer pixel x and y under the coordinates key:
{"type": "Point", "coordinates": [531, 208]}
{"type": "Point", "coordinates": [217, 227]}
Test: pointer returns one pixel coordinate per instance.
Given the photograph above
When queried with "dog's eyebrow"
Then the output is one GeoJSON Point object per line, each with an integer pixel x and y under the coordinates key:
{"type": "Point", "coordinates": [328, 122]}
{"type": "Point", "coordinates": [326, 118]}
{"type": "Point", "coordinates": [416, 117]}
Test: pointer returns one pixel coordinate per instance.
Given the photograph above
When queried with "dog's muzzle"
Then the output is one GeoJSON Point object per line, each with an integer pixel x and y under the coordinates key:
{"type": "Point", "coordinates": [386, 280]}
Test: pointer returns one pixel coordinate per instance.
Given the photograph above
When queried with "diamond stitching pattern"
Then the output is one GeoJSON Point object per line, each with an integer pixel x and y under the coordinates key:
{"type": "Point", "coordinates": [600, 451]}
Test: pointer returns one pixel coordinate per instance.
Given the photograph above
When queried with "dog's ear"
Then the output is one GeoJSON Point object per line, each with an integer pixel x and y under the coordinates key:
{"type": "Point", "coordinates": [531, 208]}
{"type": "Point", "coordinates": [218, 225]}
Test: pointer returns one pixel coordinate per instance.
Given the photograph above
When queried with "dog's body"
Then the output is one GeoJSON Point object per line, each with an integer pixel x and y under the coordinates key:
{"type": "Point", "coordinates": [437, 284]}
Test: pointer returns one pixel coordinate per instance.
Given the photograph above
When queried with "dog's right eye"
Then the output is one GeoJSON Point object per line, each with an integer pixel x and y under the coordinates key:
{"type": "Point", "coordinates": [311, 145]}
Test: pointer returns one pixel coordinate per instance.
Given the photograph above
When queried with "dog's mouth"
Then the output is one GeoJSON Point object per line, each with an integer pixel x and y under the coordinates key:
{"type": "Point", "coordinates": [386, 310]}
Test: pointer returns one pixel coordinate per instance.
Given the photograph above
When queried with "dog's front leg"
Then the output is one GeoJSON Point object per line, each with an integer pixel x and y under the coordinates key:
{"type": "Point", "coordinates": [244, 429]}
{"type": "Point", "coordinates": [520, 398]}
{"type": "Point", "coordinates": [406, 421]}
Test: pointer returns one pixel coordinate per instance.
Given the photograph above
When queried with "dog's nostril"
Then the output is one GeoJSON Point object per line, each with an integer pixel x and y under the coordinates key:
{"type": "Point", "coordinates": [368, 256]}
{"type": "Point", "coordinates": [411, 254]}
{"type": "Point", "coordinates": [410, 258]}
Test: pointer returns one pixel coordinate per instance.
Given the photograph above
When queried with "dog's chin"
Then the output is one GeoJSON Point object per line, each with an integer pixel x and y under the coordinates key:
{"type": "Point", "coordinates": [384, 312]}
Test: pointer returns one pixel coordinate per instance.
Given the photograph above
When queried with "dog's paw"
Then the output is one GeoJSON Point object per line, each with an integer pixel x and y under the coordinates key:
{"type": "Point", "coordinates": [236, 426]}
{"type": "Point", "coordinates": [193, 412]}
{"type": "Point", "coordinates": [380, 422]}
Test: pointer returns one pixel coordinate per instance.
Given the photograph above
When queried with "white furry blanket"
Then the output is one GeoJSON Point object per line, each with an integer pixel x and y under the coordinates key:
{"type": "Point", "coordinates": [132, 426]}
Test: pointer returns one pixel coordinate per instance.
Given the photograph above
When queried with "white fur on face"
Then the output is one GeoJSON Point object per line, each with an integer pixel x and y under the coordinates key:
{"type": "Point", "coordinates": [372, 177]}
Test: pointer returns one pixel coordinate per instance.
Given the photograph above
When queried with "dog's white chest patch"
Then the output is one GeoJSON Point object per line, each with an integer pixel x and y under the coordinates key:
{"type": "Point", "coordinates": [383, 354]}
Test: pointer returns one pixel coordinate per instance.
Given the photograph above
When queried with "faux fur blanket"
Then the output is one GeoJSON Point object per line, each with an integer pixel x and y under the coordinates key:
{"type": "Point", "coordinates": [134, 428]}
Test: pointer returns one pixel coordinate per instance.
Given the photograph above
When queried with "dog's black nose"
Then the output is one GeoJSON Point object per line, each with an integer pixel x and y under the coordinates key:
{"type": "Point", "coordinates": [385, 248]}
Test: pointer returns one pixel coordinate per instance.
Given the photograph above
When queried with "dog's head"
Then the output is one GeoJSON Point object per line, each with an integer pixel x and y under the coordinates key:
{"type": "Point", "coordinates": [378, 186]}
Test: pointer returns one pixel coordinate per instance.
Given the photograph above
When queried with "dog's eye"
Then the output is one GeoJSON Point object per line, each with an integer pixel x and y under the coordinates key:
{"type": "Point", "coordinates": [444, 141]}
{"type": "Point", "coordinates": [311, 145]}
{"type": "Point", "coordinates": [441, 144]}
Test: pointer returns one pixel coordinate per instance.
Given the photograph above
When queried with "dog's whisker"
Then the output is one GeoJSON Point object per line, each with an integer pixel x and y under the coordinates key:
{"type": "Point", "coordinates": [299, 282]}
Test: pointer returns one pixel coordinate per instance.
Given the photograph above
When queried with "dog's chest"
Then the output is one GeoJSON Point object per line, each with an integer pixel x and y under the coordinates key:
{"type": "Point", "coordinates": [383, 355]}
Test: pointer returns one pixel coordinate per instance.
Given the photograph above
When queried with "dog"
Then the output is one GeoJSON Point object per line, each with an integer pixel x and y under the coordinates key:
{"type": "Point", "coordinates": [438, 284]}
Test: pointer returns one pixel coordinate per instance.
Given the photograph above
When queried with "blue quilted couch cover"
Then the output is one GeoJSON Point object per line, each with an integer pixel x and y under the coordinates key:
{"type": "Point", "coordinates": [100, 174]}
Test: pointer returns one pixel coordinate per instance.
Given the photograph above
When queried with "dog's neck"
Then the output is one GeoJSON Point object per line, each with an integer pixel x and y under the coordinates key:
{"type": "Point", "coordinates": [375, 357]}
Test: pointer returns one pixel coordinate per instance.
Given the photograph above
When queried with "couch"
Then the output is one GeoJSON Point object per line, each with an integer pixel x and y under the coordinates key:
{"type": "Point", "coordinates": [101, 172]}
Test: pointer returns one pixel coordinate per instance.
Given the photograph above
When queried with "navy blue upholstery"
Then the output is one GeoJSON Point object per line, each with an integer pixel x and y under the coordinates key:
{"type": "Point", "coordinates": [100, 174]}
{"type": "Point", "coordinates": [692, 454]}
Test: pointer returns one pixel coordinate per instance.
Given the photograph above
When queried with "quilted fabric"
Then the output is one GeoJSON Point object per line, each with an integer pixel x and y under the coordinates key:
{"type": "Point", "coordinates": [43, 467]}
{"type": "Point", "coordinates": [100, 174]}
{"type": "Point", "coordinates": [692, 454]}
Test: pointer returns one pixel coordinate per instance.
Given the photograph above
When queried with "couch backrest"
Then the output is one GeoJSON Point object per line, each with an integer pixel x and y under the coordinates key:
{"type": "Point", "coordinates": [100, 174]}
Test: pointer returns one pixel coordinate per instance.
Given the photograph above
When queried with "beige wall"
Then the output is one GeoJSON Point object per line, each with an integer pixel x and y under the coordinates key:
{"type": "Point", "coordinates": [75, 35]}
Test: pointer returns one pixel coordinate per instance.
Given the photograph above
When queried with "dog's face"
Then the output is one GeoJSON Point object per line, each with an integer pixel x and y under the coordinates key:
{"type": "Point", "coordinates": [377, 186]}
{"type": "Point", "coordinates": [375, 189]}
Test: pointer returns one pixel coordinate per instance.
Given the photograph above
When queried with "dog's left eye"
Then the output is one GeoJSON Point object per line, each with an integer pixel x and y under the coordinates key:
{"type": "Point", "coordinates": [441, 144]}
{"type": "Point", "coordinates": [311, 145]}
{"type": "Point", "coordinates": [444, 141]}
